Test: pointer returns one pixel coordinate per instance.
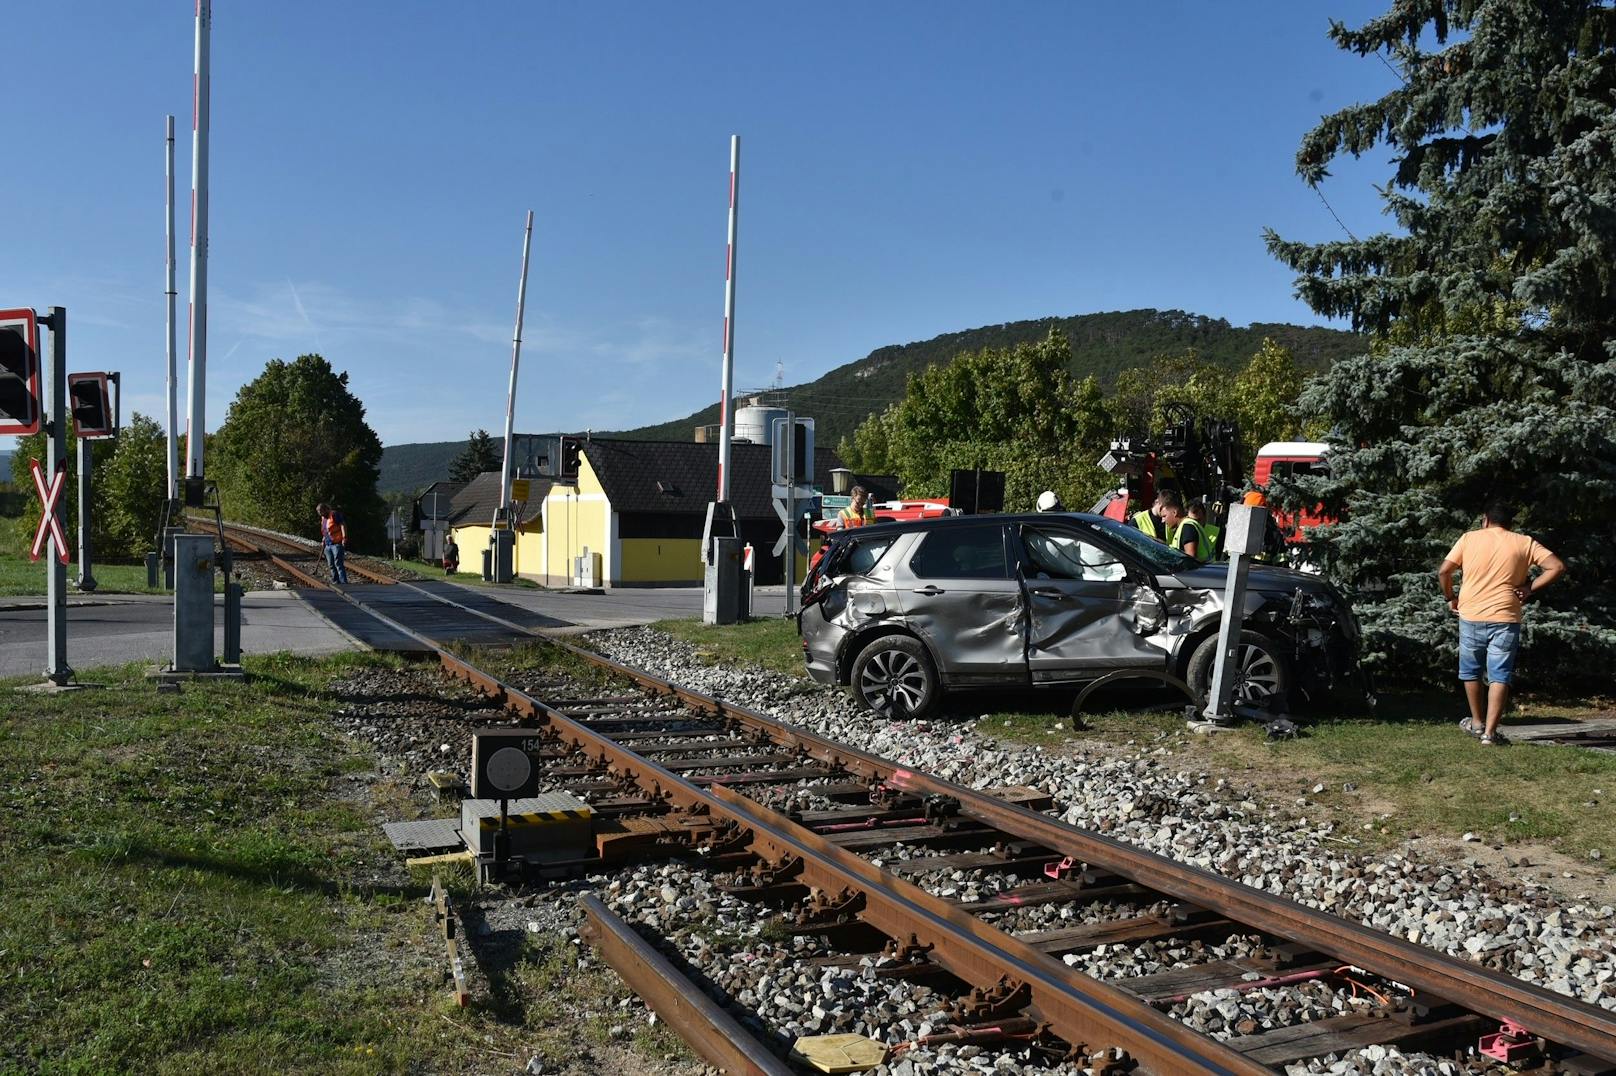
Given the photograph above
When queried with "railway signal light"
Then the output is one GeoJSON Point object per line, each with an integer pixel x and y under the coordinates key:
{"type": "Point", "coordinates": [89, 397]}
{"type": "Point", "coordinates": [19, 372]}
{"type": "Point", "coordinates": [571, 454]}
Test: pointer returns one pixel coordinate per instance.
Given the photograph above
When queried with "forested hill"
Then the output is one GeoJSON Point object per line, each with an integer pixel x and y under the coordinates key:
{"type": "Point", "coordinates": [1102, 344]}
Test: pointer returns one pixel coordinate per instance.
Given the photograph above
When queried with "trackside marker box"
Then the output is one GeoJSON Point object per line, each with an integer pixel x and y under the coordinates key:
{"type": "Point", "coordinates": [552, 825]}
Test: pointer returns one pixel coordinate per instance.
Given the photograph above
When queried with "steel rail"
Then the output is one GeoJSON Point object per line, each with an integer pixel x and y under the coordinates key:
{"type": "Point", "coordinates": [255, 536]}
{"type": "Point", "coordinates": [1560, 1019]}
{"type": "Point", "coordinates": [713, 1033]}
{"type": "Point", "coordinates": [1084, 1012]}
{"type": "Point", "coordinates": [281, 563]}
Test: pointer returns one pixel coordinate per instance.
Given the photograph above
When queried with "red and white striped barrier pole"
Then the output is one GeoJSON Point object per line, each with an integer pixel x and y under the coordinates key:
{"type": "Point", "coordinates": [196, 386]}
{"type": "Point", "coordinates": [726, 417]}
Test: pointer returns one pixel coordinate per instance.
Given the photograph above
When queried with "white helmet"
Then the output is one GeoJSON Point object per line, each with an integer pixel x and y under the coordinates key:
{"type": "Point", "coordinates": [1047, 501]}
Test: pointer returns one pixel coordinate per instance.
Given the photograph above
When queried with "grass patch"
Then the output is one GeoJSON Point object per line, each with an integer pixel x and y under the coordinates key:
{"type": "Point", "coordinates": [767, 643]}
{"type": "Point", "coordinates": [430, 570]}
{"type": "Point", "coordinates": [187, 890]}
{"type": "Point", "coordinates": [21, 577]}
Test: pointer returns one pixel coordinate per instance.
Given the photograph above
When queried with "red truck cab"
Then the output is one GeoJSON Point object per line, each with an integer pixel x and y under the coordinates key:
{"type": "Point", "coordinates": [1286, 458]}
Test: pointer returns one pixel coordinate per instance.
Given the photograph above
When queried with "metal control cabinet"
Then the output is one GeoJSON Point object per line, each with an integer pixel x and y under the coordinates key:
{"type": "Point", "coordinates": [723, 599]}
{"type": "Point", "coordinates": [193, 603]}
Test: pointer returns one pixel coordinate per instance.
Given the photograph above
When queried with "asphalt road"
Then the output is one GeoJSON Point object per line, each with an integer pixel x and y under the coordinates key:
{"type": "Point", "coordinates": [116, 629]}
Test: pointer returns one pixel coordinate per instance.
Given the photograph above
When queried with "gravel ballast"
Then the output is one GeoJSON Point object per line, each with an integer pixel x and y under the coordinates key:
{"type": "Point", "coordinates": [1143, 798]}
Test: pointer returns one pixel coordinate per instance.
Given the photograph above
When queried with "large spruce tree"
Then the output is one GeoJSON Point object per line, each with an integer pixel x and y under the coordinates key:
{"type": "Point", "coordinates": [1492, 310]}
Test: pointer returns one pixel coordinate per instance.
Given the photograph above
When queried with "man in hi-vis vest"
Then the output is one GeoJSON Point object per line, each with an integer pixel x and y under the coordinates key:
{"type": "Point", "coordinates": [858, 513]}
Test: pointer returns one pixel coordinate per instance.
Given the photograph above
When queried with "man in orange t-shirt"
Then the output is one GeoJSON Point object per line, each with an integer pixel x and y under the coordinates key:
{"type": "Point", "coordinates": [1497, 563]}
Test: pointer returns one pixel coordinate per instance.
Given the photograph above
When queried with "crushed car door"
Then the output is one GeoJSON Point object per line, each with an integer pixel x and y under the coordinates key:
{"type": "Point", "coordinates": [958, 593]}
{"type": "Point", "coordinates": [1084, 613]}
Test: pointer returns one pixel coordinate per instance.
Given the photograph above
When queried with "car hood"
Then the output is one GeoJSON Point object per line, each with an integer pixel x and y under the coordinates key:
{"type": "Point", "coordinates": [1267, 578]}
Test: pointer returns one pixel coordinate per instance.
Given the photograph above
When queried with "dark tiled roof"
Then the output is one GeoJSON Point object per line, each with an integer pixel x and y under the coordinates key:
{"type": "Point", "coordinates": [682, 476]}
{"type": "Point", "coordinates": [474, 505]}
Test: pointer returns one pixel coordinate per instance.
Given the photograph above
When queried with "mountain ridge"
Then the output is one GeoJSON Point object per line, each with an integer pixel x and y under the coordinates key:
{"type": "Point", "coordinates": [1103, 344]}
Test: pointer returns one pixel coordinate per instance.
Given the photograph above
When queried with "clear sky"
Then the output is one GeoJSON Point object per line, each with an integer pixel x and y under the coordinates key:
{"type": "Point", "coordinates": [908, 169]}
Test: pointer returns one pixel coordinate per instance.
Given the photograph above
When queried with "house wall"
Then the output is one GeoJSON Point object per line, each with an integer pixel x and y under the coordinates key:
{"type": "Point", "coordinates": [575, 518]}
{"type": "Point", "coordinates": [528, 557]}
{"type": "Point", "coordinates": [665, 561]}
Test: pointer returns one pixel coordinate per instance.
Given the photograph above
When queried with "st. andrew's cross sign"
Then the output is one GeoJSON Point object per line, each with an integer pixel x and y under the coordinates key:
{"type": "Point", "coordinates": [49, 522]}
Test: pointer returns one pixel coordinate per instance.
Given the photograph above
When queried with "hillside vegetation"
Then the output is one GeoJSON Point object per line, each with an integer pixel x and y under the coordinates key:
{"type": "Point", "coordinates": [1103, 344]}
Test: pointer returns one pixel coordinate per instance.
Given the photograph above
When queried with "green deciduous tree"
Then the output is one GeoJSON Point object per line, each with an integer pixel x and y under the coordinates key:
{"type": "Point", "coordinates": [1494, 312]}
{"type": "Point", "coordinates": [130, 488]}
{"type": "Point", "coordinates": [295, 436]}
{"type": "Point", "coordinates": [480, 454]}
{"type": "Point", "coordinates": [1259, 398]}
{"type": "Point", "coordinates": [1011, 409]}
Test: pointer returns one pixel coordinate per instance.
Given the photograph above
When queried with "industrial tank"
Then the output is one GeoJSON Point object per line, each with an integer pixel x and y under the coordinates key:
{"type": "Point", "coordinates": [755, 423]}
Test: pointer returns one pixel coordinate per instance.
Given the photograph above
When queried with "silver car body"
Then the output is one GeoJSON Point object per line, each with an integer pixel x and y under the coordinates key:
{"type": "Point", "coordinates": [1050, 599]}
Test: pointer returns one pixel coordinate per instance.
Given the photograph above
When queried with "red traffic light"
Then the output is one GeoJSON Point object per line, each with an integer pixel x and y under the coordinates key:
{"type": "Point", "coordinates": [19, 372]}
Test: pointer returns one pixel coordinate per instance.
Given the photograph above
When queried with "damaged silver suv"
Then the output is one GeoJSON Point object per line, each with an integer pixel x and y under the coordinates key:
{"type": "Point", "coordinates": [905, 612]}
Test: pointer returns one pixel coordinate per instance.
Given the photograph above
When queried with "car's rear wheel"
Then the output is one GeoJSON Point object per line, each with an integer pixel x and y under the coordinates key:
{"type": "Point", "coordinates": [1261, 670]}
{"type": "Point", "coordinates": [895, 676]}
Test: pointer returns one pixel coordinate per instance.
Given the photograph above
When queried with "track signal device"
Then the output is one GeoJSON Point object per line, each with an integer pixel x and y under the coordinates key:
{"type": "Point", "coordinates": [89, 397]}
{"type": "Point", "coordinates": [19, 372]}
{"type": "Point", "coordinates": [571, 454]}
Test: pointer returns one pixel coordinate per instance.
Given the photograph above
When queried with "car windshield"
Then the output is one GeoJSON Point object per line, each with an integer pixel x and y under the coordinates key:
{"type": "Point", "coordinates": [1161, 558]}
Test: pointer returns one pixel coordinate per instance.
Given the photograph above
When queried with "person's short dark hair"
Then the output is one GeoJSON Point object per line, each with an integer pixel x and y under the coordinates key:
{"type": "Point", "coordinates": [322, 509]}
{"type": "Point", "coordinates": [1500, 514]}
{"type": "Point", "coordinates": [1169, 498]}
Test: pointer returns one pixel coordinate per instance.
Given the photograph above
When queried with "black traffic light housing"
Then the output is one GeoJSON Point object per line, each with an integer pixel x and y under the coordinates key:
{"type": "Point", "coordinates": [89, 397]}
{"type": "Point", "coordinates": [571, 453]}
{"type": "Point", "coordinates": [19, 373]}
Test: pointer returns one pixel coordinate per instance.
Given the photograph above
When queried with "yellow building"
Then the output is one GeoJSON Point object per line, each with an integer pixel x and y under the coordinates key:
{"type": "Point", "coordinates": [639, 506]}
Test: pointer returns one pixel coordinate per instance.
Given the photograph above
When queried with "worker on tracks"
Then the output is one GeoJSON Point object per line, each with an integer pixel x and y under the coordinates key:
{"type": "Point", "coordinates": [334, 540]}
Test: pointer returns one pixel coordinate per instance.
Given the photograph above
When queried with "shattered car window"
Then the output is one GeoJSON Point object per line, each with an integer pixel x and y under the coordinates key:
{"type": "Point", "coordinates": [866, 555]}
{"type": "Point", "coordinates": [961, 553]}
{"type": "Point", "coordinates": [1064, 556]}
{"type": "Point", "coordinates": [1162, 558]}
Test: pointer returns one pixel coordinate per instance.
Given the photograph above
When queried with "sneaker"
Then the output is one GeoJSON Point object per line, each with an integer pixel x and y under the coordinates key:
{"type": "Point", "coordinates": [1469, 725]}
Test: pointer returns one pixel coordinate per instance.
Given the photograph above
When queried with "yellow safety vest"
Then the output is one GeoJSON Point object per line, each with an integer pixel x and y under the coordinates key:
{"type": "Point", "coordinates": [1212, 531]}
{"type": "Point", "coordinates": [1148, 523]}
{"type": "Point", "coordinates": [850, 518]}
{"type": "Point", "coordinates": [1203, 548]}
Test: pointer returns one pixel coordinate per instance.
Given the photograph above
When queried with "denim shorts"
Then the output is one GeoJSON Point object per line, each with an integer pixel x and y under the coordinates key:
{"type": "Point", "coordinates": [1482, 643]}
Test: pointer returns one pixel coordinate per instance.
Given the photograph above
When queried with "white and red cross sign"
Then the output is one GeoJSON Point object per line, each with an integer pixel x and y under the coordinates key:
{"type": "Point", "coordinates": [48, 521]}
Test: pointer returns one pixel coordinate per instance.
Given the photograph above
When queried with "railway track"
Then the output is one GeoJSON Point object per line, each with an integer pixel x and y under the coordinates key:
{"type": "Point", "coordinates": [298, 560]}
{"type": "Point", "coordinates": [683, 773]}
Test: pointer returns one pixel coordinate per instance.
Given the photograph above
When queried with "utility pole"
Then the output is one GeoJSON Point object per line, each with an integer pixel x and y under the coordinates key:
{"type": "Point", "coordinates": [196, 387]}
{"type": "Point", "coordinates": [790, 449]}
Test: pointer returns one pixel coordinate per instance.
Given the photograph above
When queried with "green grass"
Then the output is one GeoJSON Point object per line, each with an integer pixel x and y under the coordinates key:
{"type": "Point", "coordinates": [187, 891]}
{"type": "Point", "coordinates": [429, 570]}
{"type": "Point", "coordinates": [21, 577]}
{"type": "Point", "coordinates": [769, 643]}
{"type": "Point", "coordinates": [1414, 772]}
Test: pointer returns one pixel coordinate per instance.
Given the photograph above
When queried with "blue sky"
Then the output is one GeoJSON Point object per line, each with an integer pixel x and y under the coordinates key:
{"type": "Point", "coordinates": [907, 169]}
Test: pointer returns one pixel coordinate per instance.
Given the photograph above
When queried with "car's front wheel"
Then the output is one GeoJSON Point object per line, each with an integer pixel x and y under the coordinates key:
{"type": "Point", "coordinates": [895, 676]}
{"type": "Point", "coordinates": [1261, 670]}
